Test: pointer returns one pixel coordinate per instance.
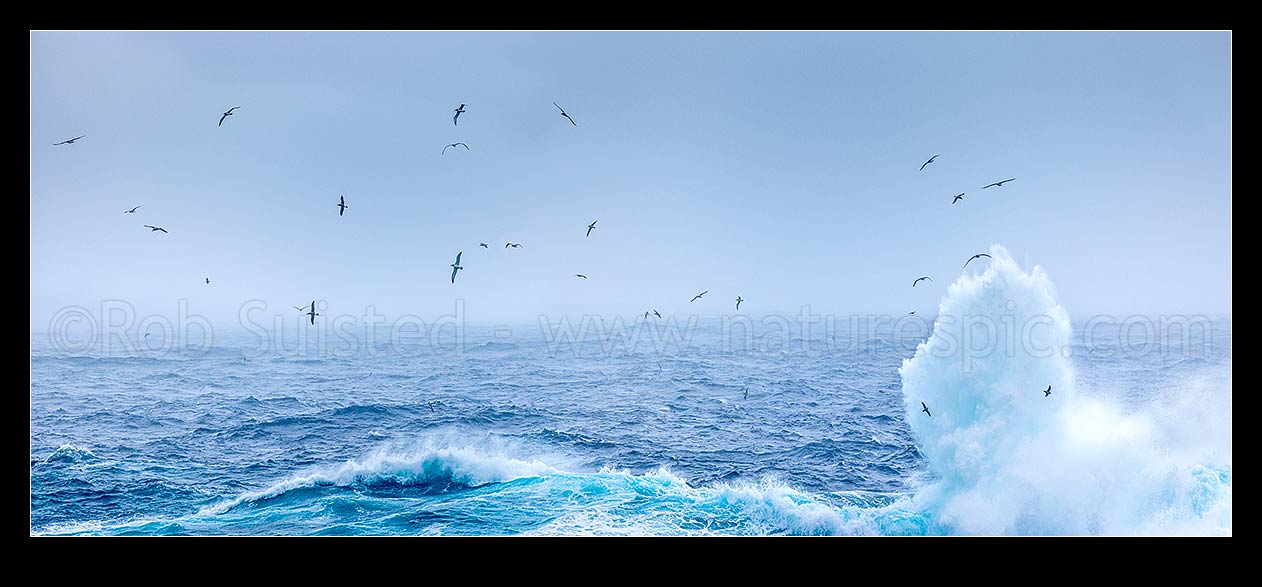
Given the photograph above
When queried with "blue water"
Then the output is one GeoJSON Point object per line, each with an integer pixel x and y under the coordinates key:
{"type": "Point", "coordinates": [510, 437]}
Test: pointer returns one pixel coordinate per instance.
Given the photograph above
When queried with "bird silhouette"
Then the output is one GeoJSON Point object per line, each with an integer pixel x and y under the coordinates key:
{"type": "Point", "coordinates": [920, 279]}
{"type": "Point", "coordinates": [466, 147]}
{"type": "Point", "coordinates": [227, 114]}
{"type": "Point", "coordinates": [563, 113]}
{"type": "Point", "coordinates": [454, 121]}
{"type": "Point", "coordinates": [978, 255]}
{"type": "Point", "coordinates": [922, 166]}
{"type": "Point", "coordinates": [998, 183]}
{"type": "Point", "coordinates": [958, 198]}
{"type": "Point", "coordinates": [456, 266]}
{"type": "Point", "coordinates": [156, 228]}
{"type": "Point", "coordinates": [132, 211]}
{"type": "Point", "coordinates": [698, 296]}
{"type": "Point", "coordinates": [926, 409]}
{"type": "Point", "coordinates": [69, 141]}
{"type": "Point", "coordinates": [1048, 391]}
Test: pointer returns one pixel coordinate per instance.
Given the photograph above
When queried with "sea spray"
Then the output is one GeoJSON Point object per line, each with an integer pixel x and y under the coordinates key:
{"type": "Point", "coordinates": [1009, 459]}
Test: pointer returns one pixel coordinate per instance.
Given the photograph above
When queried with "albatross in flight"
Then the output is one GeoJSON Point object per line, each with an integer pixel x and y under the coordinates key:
{"type": "Point", "coordinates": [656, 314]}
{"type": "Point", "coordinates": [978, 255]}
{"type": "Point", "coordinates": [998, 184]}
{"type": "Point", "coordinates": [341, 205]}
{"type": "Point", "coordinates": [580, 275]}
{"type": "Point", "coordinates": [207, 281]}
{"type": "Point", "coordinates": [466, 147]}
{"type": "Point", "coordinates": [484, 245]}
{"type": "Point", "coordinates": [313, 313]}
{"type": "Point", "coordinates": [455, 267]}
{"type": "Point", "coordinates": [591, 226]}
{"type": "Point", "coordinates": [132, 211]}
{"type": "Point", "coordinates": [69, 141]}
{"type": "Point", "coordinates": [698, 296]}
{"type": "Point", "coordinates": [920, 279]}
{"type": "Point", "coordinates": [958, 198]}
{"type": "Point", "coordinates": [514, 245]}
{"type": "Point", "coordinates": [454, 119]}
{"type": "Point", "coordinates": [299, 309]}
{"type": "Point", "coordinates": [156, 228]}
{"type": "Point", "coordinates": [925, 409]}
{"type": "Point", "coordinates": [738, 303]}
{"type": "Point", "coordinates": [567, 116]}
{"type": "Point", "coordinates": [1047, 391]}
{"type": "Point", "coordinates": [922, 167]}
{"type": "Point", "coordinates": [227, 114]}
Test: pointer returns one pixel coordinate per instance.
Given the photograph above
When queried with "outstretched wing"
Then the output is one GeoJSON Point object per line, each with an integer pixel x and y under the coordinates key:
{"type": "Point", "coordinates": [466, 147]}
{"type": "Point", "coordinates": [453, 274]}
{"type": "Point", "coordinates": [458, 257]}
{"type": "Point", "coordinates": [558, 107]}
{"type": "Point", "coordinates": [225, 115]}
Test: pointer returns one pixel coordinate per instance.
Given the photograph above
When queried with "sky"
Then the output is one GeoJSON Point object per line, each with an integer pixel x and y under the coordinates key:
{"type": "Point", "coordinates": [780, 167]}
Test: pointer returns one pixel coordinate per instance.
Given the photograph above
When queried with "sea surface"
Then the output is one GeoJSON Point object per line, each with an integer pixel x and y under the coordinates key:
{"type": "Point", "coordinates": [779, 433]}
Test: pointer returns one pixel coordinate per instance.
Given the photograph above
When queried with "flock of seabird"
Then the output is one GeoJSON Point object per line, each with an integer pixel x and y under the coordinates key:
{"type": "Point", "coordinates": [456, 267]}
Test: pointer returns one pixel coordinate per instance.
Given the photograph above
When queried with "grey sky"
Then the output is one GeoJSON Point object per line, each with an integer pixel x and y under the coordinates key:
{"type": "Point", "coordinates": [781, 167]}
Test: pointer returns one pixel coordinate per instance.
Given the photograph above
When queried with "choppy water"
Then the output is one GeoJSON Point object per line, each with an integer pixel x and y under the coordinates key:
{"type": "Point", "coordinates": [511, 438]}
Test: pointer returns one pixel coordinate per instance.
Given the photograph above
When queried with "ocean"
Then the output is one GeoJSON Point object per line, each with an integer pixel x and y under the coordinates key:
{"type": "Point", "coordinates": [730, 428]}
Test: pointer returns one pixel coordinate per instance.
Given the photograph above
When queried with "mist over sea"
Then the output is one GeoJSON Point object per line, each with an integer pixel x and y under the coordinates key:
{"type": "Point", "coordinates": [653, 427]}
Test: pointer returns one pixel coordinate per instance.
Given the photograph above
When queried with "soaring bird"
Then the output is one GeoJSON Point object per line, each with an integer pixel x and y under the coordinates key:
{"type": "Point", "coordinates": [456, 266]}
{"type": "Point", "coordinates": [656, 314]}
{"type": "Point", "coordinates": [580, 275]}
{"type": "Point", "coordinates": [958, 198]}
{"type": "Point", "coordinates": [698, 296]}
{"type": "Point", "coordinates": [312, 312]}
{"type": "Point", "coordinates": [156, 229]}
{"type": "Point", "coordinates": [567, 116]}
{"type": "Point", "coordinates": [746, 393]}
{"type": "Point", "coordinates": [484, 245]}
{"type": "Point", "coordinates": [341, 205]}
{"type": "Point", "coordinates": [132, 211]}
{"type": "Point", "coordinates": [454, 119]}
{"type": "Point", "coordinates": [1047, 391]}
{"type": "Point", "coordinates": [514, 245]}
{"type": "Point", "coordinates": [591, 226]}
{"type": "Point", "coordinates": [918, 280]}
{"type": "Point", "coordinates": [207, 281]}
{"type": "Point", "coordinates": [911, 312]}
{"type": "Point", "coordinates": [922, 167]}
{"type": "Point", "coordinates": [466, 147]}
{"type": "Point", "coordinates": [970, 259]}
{"type": "Point", "coordinates": [227, 114]}
{"type": "Point", "coordinates": [299, 309]}
{"type": "Point", "coordinates": [646, 315]}
{"type": "Point", "coordinates": [998, 183]}
{"type": "Point", "coordinates": [925, 409]}
{"type": "Point", "coordinates": [69, 141]}
{"type": "Point", "coordinates": [738, 303]}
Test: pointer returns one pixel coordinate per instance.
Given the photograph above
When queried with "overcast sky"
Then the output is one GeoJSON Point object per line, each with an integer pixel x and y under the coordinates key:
{"type": "Point", "coordinates": [781, 167]}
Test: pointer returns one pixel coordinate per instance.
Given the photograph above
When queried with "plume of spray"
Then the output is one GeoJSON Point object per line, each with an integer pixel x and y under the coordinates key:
{"type": "Point", "coordinates": [1007, 459]}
